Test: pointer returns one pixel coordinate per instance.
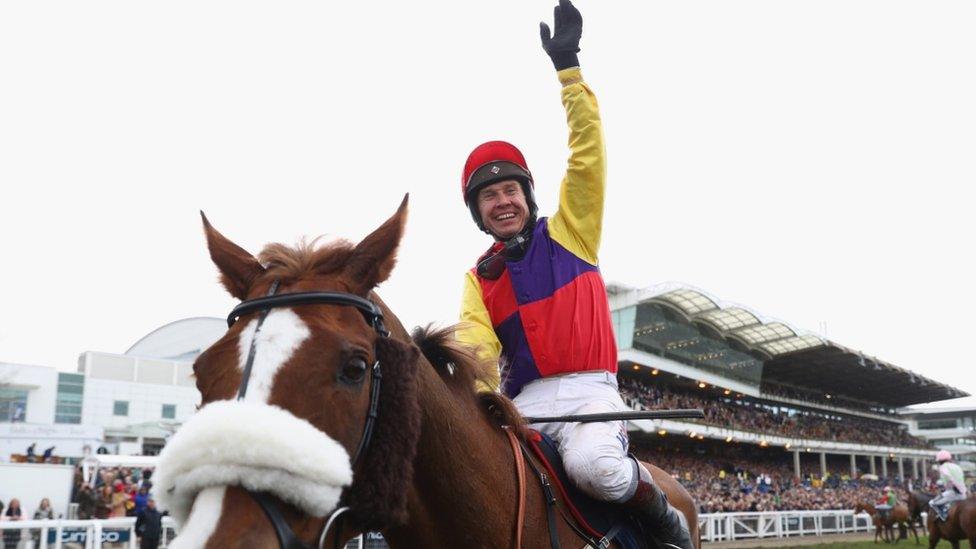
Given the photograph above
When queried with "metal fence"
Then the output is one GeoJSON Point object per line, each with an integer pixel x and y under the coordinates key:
{"type": "Point", "coordinates": [120, 533]}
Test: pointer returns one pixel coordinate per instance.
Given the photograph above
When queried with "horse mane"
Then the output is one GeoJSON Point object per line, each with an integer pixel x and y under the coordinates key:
{"type": "Point", "coordinates": [459, 366]}
{"type": "Point", "coordinates": [305, 258]}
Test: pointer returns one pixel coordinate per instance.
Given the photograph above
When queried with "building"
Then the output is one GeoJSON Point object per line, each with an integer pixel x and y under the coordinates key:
{"type": "Point", "coordinates": [32, 401]}
{"type": "Point", "coordinates": [684, 341]}
{"type": "Point", "coordinates": [951, 428]}
{"type": "Point", "coordinates": [129, 403]}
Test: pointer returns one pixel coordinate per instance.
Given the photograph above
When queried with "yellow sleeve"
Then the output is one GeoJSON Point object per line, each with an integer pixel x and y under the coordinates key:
{"type": "Point", "coordinates": [476, 331]}
{"type": "Point", "coordinates": [579, 221]}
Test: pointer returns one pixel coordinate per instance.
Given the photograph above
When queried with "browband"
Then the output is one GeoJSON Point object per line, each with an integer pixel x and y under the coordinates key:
{"type": "Point", "coordinates": [372, 313]}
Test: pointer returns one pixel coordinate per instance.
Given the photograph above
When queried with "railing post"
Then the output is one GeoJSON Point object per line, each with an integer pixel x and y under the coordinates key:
{"type": "Point", "coordinates": [43, 540]}
{"type": "Point", "coordinates": [58, 534]}
{"type": "Point", "coordinates": [97, 535]}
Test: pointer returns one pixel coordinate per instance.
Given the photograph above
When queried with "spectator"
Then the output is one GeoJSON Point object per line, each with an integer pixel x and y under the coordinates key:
{"type": "Point", "coordinates": [87, 502]}
{"type": "Point", "coordinates": [149, 526]}
{"type": "Point", "coordinates": [12, 537]}
{"type": "Point", "coordinates": [141, 498]}
{"type": "Point", "coordinates": [117, 500]}
{"type": "Point", "coordinates": [104, 502]}
{"type": "Point", "coordinates": [44, 512]}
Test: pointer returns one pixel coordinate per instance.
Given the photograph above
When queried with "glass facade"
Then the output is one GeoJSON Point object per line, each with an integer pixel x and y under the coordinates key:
{"type": "Point", "coordinates": [623, 326]}
{"type": "Point", "coordinates": [71, 390]}
{"type": "Point", "coordinates": [946, 423]}
{"type": "Point", "coordinates": [13, 404]}
{"type": "Point", "coordinates": [654, 328]}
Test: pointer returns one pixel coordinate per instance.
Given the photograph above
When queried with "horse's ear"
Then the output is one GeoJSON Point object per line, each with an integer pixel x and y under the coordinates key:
{"type": "Point", "coordinates": [238, 269]}
{"type": "Point", "coordinates": [373, 259]}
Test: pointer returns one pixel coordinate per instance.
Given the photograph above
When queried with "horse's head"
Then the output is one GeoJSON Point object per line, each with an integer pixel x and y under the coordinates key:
{"type": "Point", "coordinates": [295, 396]}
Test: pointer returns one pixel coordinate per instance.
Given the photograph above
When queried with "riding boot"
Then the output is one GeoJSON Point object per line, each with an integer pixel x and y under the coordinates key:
{"type": "Point", "coordinates": [650, 506]}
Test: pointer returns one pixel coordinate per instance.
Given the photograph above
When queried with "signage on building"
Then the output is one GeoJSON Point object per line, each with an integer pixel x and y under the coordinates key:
{"type": "Point", "coordinates": [80, 535]}
{"type": "Point", "coordinates": [33, 430]}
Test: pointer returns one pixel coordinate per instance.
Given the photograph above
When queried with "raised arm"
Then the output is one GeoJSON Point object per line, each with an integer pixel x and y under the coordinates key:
{"type": "Point", "coordinates": [578, 223]}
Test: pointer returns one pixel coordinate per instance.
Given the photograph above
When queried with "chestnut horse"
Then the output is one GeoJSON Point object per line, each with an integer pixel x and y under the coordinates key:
{"type": "Point", "coordinates": [885, 528]}
{"type": "Point", "coordinates": [437, 470]}
{"type": "Point", "coordinates": [960, 525]}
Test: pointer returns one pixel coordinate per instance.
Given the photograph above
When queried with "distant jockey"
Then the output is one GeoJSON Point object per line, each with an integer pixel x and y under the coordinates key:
{"type": "Point", "coordinates": [955, 486]}
{"type": "Point", "coordinates": [887, 502]}
{"type": "Point", "coordinates": [536, 303]}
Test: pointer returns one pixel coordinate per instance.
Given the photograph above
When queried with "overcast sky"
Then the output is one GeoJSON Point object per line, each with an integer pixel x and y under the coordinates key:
{"type": "Point", "coordinates": [812, 161]}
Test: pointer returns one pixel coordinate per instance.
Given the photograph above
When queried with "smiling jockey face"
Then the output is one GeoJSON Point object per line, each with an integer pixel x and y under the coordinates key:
{"type": "Point", "coordinates": [503, 208]}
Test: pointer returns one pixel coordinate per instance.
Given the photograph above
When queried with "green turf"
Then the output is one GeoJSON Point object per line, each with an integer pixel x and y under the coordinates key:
{"type": "Point", "coordinates": [866, 544]}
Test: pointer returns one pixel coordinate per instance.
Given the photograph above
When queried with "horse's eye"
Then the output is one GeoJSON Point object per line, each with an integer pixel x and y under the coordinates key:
{"type": "Point", "coordinates": [353, 371]}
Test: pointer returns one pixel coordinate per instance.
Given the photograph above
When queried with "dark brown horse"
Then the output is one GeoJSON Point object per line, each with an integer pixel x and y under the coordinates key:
{"type": "Point", "coordinates": [438, 471]}
{"type": "Point", "coordinates": [918, 503]}
{"type": "Point", "coordinates": [960, 524]}
{"type": "Point", "coordinates": [884, 527]}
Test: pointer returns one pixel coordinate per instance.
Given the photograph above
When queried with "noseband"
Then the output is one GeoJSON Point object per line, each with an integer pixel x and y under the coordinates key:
{"type": "Point", "coordinates": [374, 317]}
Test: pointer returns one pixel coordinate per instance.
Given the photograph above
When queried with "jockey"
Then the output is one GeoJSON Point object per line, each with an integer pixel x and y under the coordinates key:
{"type": "Point", "coordinates": [536, 303]}
{"type": "Point", "coordinates": [887, 501]}
{"type": "Point", "coordinates": [955, 486]}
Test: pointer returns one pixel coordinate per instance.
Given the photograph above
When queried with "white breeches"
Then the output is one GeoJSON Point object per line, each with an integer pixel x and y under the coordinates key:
{"type": "Point", "coordinates": [948, 496]}
{"type": "Point", "coordinates": [594, 454]}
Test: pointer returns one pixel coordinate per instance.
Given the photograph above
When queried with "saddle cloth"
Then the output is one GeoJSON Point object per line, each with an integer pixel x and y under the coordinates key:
{"type": "Point", "coordinates": [599, 515]}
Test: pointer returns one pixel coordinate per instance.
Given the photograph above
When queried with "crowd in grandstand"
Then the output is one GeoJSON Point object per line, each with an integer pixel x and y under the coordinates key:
{"type": "Point", "coordinates": [783, 391]}
{"type": "Point", "coordinates": [738, 481]}
{"type": "Point", "coordinates": [744, 415]}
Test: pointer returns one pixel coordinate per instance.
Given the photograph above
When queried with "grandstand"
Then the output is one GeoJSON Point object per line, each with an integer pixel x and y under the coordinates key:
{"type": "Point", "coordinates": [784, 409]}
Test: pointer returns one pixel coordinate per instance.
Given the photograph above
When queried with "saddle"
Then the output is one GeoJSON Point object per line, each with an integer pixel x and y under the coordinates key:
{"type": "Point", "coordinates": [599, 521]}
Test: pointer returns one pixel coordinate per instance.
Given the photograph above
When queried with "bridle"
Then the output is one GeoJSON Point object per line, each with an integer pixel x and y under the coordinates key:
{"type": "Point", "coordinates": [374, 317]}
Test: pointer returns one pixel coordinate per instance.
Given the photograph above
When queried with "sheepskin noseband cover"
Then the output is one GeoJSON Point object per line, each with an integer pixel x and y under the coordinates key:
{"type": "Point", "coordinates": [258, 447]}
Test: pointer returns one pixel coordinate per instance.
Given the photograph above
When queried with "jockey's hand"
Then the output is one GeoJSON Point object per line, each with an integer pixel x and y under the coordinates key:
{"type": "Point", "coordinates": [563, 45]}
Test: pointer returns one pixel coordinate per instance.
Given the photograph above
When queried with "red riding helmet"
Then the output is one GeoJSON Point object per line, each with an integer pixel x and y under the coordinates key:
{"type": "Point", "coordinates": [492, 162]}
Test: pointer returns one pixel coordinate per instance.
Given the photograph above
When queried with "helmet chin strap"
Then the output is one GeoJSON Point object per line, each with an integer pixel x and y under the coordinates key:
{"type": "Point", "coordinates": [493, 264]}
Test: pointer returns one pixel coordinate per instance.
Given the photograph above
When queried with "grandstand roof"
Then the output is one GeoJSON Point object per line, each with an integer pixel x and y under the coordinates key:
{"type": "Point", "coordinates": [838, 370]}
{"type": "Point", "coordinates": [180, 340]}
{"type": "Point", "coordinates": [691, 327]}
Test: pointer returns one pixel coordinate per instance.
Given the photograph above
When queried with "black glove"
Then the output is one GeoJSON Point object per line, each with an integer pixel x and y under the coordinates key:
{"type": "Point", "coordinates": [563, 46]}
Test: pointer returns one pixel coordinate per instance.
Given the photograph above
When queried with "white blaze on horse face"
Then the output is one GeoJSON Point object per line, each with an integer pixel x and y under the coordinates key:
{"type": "Point", "coordinates": [282, 333]}
{"type": "Point", "coordinates": [202, 522]}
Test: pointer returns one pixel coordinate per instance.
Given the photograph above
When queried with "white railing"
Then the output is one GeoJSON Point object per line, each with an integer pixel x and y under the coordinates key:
{"type": "Point", "coordinates": [780, 524]}
{"type": "Point", "coordinates": [48, 534]}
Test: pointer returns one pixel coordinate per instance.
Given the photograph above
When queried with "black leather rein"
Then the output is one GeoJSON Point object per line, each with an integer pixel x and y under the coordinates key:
{"type": "Point", "coordinates": [374, 317]}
